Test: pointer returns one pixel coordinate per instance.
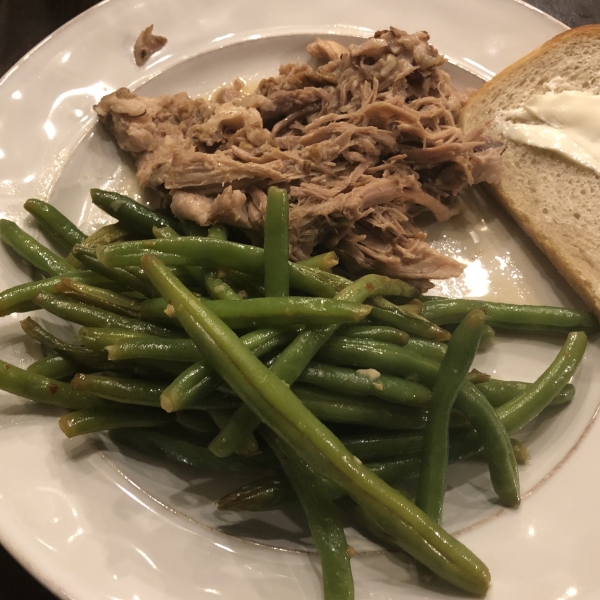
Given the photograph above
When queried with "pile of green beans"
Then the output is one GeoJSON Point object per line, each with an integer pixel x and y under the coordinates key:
{"type": "Point", "coordinates": [228, 357]}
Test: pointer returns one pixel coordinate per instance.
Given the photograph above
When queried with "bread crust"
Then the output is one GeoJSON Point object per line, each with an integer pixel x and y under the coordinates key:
{"type": "Point", "coordinates": [570, 251]}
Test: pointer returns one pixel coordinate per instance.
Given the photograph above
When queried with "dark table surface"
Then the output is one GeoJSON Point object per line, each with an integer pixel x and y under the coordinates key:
{"type": "Point", "coordinates": [22, 26]}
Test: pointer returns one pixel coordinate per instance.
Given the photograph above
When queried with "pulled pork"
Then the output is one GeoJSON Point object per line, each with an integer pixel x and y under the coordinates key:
{"type": "Point", "coordinates": [363, 144]}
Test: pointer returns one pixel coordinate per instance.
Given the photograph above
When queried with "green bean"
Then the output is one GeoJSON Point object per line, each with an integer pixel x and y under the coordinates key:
{"type": "Point", "coordinates": [268, 312]}
{"type": "Point", "coordinates": [43, 389]}
{"type": "Point", "coordinates": [427, 348]}
{"type": "Point", "coordinates": [500, 392]}
{"type": "Point", "coordinates": [434, 456]}
{"type": "Point", "coordinates": [19, 298]}
{"type": "Point", "coordinates": [104, 418]}
{"type": "Point", "coordinates": [277, 406]}
{"type": "Point", "coordinates": [381, 445]}
{"type": "Point", "coordinates": [83, 314]}
{"type": "Point", "coordinates": [366, 382]}
{"type": "Point", "coordinates": [267, 493]}
{"type": "Point", "coordinates": [247, 285]}
{"type": "Point", "coordinates": [291, 362]}
{"type": "Point", "coordinates": [191, 228]}
{"type": "Point", "coordinates": [87, 357]}
{"type": "Point", "coordinates": [217, 288]}
{"type": "Point", "coordinates": [87, 256]}
{"type": "Point", "coordinates": [221, 416]}
{"type": "Point", "coordinates": [381, 333]}
{"type": "Point", "coordinates": [270, 493]}
{"type": "Point", "coordinates": [399, 361]}
{"type": "Point", "coordinates": [95, 296]}
{"type": "Point", "coordinates": [176, 349]}
{"type": "Point", "coordinates": [332, 408]}
{"type": "Point", "coordinates": [119, 389]}
{"type": "Point", "coordinates": [54, 367]}
{"type": "Point", "coordinates": [132, 213]}
{"type": "Point", "coordinates": [196, 274]}
{"type": "Point", "coordinates": [323, 262]}
{"type": "Point", "coordinates": [196, 421]}
{"type": "Point", "coordinates": [276, 243]}
{"type": "Point", "coordinates": [390, 314]}
{"type": "Point", "coordinates": [32, 251]}
{"type": "Point", "coordinates": [54, 224]}
{"type": "Point", "coordinates": [323, 521]}
{"type": "Point", "coordinates": [175, 446]}
{"type": "Point", "coordinates": [191, 388]}
{"type": "Point", "coordinates": [107, 234]}
{"type": "Point", "coordinates": [540, 394]}
{"type": "Point", "coordinates": [98, 338]}
{"type": "Point", "coordinates": [215, 254]}
{"type": "Point", "coordinates": [515, 317]}
{"type": "Point", "coordinates": [520, 451]}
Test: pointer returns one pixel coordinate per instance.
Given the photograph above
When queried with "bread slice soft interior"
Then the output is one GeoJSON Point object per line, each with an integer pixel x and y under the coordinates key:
{"type": "Point", "coordinates": [556, 201]}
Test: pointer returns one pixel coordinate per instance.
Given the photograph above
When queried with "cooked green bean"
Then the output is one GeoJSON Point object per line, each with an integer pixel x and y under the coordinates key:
{"type": "Point", "coordinates": [175, 446]}
{"type": "Point", "coordinates": [357, 410]}
{"type": "Point", "coordinates": [451, 374]}
{"type": "Point", "coordinates": [54, 367]}
{"type": "Point", "coordinates": [119, 389]}
{"type": "Point", "coordinates": [98, 338]}
{"type": "Point", "coordinates": [276, 243]}
{"type": "Point", "coordinates": [500, 392]}
{"type": "Point", "coordinates": [215, 254]}
{"type": "Point", "coordinates": [193, 386]}
{"type": "Point", "coordinates": [381, 333]}
{"type": "Point", "coordinates": [272, 399]}
{"type": "Point", "coordinates": [270, 493]}
{"type": "Point", "coordinates": [32, 251]}
{"type": "Point", "coordinates": [83, 314]}
{"type": "Point", "coordinates": [323, 262]}
{"type": "Point", "coordinates": [113, 416]}
{"type": "Point", "coordinates": [175, 349]}
{"type": "Point", "coordinates": [382, 445]}
{"type": "Point", "coordinates": [269, 312]}
{"type": "Point", "coordinates": [217, 288]}
{"type": "Point", "coordinates": [19, 298]}
{"type": "Point", "coordinates": [107, 234]}
{"type": "Point", "coordinates": [87, 256]}
{"type": "Point", "coordinates": [43, 389]}
{"type": "Point", "coordinates": [366, 382]}
{"type": "Point", "coordinates": [88, 358]}
{"type": "Point", "coordinates": [93, 359]}
{"type": "Point", "coordinates": [390, 314]}
{"type": "Point", "coordinates": [515, 317]}
{"type": "Point", "coordinates": [221, 416]}
{"type": "Point", "coordinates": [60, 230]}
{"type": "Point", "coordinates": [427, 348]}
{"type": "Point", "coordinates": [291, 362]}
{"type": "Point", "coordinates": [132, 213]}
{"type": "Point", "coordinates": [540, 394]}
{"type": "Point", "coordinates": [324, 522]}
{"type": "Point", "coordinates": [95, 296]}
{"type": "Point", "coordinates": [520, 451]}
{"type": "Point", "coordinates": [196, 421]}
{"type": "Point", "coordinates": [267, 493]}
{"type": "Point", "coordinates": [399, 361]}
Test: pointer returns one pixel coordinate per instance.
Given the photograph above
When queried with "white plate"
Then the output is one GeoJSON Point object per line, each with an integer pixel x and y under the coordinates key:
{"type": "Point", "coordinates": [99, 525]}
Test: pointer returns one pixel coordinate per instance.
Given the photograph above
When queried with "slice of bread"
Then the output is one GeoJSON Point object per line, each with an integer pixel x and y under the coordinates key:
{"type": "Point", "coordinates": [555, 200]}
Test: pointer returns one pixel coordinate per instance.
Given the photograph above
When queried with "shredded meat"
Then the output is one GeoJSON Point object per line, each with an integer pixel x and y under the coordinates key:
{"type": "Point", "coordinates": [146, 45]}
{"type": "Point", "coordinates": [363, 144]}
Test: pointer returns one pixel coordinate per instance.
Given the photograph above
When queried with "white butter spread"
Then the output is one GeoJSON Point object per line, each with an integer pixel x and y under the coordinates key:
{"type": "Point", "coordinates": [566, 122]}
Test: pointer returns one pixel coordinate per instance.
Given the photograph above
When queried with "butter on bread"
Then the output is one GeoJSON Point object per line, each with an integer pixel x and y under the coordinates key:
{"type": "Point", "coordinates": [554, 200]}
